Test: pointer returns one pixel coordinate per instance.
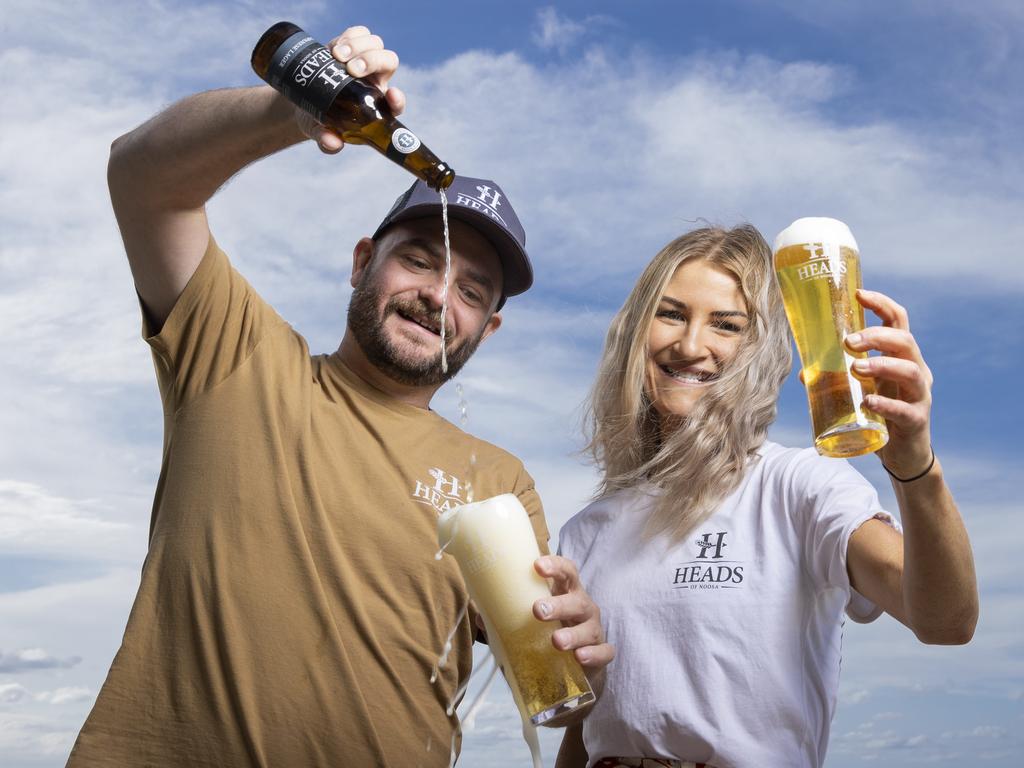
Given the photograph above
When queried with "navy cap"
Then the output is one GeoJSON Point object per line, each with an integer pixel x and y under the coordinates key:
{"type": "Point", "coordinates": [481, 204]}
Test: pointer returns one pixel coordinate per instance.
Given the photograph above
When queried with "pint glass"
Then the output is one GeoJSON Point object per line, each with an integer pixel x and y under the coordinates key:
{"type": "Point", "coordinates": [818, 265]}
{"type": "Point", "coordinates": [495, 546]}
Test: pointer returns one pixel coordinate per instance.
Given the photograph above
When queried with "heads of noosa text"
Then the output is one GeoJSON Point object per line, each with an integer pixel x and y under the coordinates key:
{"type": "Point", "coordinates": [398, 279]}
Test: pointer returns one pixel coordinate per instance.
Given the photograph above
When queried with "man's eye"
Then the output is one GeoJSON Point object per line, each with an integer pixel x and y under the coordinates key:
{"type": "Point", "coordinates": [472, 296]}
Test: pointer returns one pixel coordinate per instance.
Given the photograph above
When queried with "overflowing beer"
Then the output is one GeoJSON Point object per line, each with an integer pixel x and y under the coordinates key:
{"type": "Point", "coordinates": [311, 78]}
{"type": "Point", "coordinates": [496, 547]}
{"type": "Point", "coordinates": [818, 265]}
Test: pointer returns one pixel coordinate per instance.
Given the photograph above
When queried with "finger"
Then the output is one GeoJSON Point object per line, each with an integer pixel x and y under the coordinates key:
{"type": "Point", "coordinates": [565, 578]}
{"type": "Point", "coordinates": [890, 313]}
{"type": "Point", "coordinates": [329, 142]}
{"type": "Point", "coordinates": [909, 375]}
{"type": "Point", "coordinates": [349, 46]}
{"type": "Point", "coordinates": [376, 66]}
{"type": "Point", "coordinates": [909, 417]}
{"type": "Point", "coordinates": [347, 35]}
{"type": "Point", "coordinates": [595, 656]}
{"type": "Point", "coordinates": [396, 100]}
{"type": "Point", "coordinates": [573, 608]}
{"type": "Point", "coordinates": [896, 342]}
{"type": "Point", "coordinates": [578, 636]}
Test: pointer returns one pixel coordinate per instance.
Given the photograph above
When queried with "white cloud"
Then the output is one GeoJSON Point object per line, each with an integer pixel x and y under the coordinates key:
{"type": "Point", "coordinates": [34, 521]}
{"type": "Point", "coordinates": [31, 659]}
{"type": "Point", "coordinates": [11, 693]}
{"type": "Point", "coordinates": [65, 695]}
{"type": "Point", "coordinates": [554, 31]}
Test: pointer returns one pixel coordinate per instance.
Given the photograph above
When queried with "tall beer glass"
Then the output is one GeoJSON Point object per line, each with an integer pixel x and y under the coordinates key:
{"type": "Point", "coordinates": [495, 546]}
{"type": "Point", "coordinates": [818, 265]}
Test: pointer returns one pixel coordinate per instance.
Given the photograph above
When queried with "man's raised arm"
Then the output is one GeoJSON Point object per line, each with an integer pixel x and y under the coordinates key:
{"type": "Point", "coordinates": [162, 173]}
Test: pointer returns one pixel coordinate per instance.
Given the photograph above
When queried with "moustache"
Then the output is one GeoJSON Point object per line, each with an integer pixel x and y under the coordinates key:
{"type": "Point", "coordinates": [421, 313]}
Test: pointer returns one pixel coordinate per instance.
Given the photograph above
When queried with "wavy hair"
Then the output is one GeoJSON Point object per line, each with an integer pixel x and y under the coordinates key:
{"type": "Point", "coordinates": [701, 459]}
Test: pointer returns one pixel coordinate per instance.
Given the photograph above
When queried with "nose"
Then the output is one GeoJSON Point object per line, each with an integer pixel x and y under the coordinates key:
{"type": "Point", "coordinates": [691, 343]}
{"type": "Point", "coordinates": [432, 291]}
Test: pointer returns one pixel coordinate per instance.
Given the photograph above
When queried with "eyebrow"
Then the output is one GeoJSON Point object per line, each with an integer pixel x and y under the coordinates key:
{"type": "Point", "coordinates": [716, 313]}
{"type": "Point", "coordinates": [437, 251]}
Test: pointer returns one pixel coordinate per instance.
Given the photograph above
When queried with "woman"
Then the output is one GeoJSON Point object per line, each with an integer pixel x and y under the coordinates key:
{"type": "Point", "coordinates": [724, 563]}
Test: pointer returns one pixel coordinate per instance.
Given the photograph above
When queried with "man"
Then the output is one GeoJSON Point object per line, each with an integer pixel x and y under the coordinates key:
{"type": "Point", "coordinates": [291, 608]}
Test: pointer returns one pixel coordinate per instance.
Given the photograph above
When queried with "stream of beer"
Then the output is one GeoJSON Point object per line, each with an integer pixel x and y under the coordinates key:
{"type": "Point", "coordinates": [529, 730]}
{"type": "Point", "coordinates": [447, 276]}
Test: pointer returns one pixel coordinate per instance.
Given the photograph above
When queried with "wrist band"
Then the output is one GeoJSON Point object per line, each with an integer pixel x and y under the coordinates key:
{"type": "Point", "coordinates": [915, 477]}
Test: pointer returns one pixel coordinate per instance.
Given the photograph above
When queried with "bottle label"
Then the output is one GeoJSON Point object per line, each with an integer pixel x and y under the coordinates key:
{"type": "Point", "coordinates": [405, 141]}
{"type": "Point", "coordinates": [306, 72]}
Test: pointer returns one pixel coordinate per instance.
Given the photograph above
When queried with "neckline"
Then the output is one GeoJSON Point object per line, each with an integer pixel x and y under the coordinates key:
{"type": "Point", "coordinates": [343, 377]}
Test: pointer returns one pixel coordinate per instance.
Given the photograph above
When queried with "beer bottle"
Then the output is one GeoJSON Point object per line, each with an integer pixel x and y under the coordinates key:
{"type": "Point", "coordinates": [311, 78]}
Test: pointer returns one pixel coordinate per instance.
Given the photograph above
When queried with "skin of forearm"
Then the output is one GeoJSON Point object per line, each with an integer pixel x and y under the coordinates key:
{"type": "Point", "coordinates": [940, 591]}
{"type": "Point", "coordinates": [183, 155]}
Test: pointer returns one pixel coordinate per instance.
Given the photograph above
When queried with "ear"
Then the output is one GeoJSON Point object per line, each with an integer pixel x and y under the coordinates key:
{"type": "Point", "coordinates": [362, 254]}
{"type": "Point", "coordinates": [493, 323]}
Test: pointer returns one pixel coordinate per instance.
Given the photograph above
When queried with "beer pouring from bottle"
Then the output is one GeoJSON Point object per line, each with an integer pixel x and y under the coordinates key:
{"type": "Point", "coordinates": [306, 73]}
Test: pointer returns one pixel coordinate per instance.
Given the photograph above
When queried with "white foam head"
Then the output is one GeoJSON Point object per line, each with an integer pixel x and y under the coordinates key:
{"type": "Point", "coordinates": [489, 513]}
{"type": "Point", "coordinates": [815, 229]}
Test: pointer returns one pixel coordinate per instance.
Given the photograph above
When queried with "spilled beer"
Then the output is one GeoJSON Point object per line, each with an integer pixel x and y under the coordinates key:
{"type": "Point", "coordinates": [496, 547]}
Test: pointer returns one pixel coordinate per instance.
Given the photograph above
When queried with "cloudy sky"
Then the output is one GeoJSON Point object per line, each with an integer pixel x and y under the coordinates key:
{"type": "Point", "coordinates": [613, 127]}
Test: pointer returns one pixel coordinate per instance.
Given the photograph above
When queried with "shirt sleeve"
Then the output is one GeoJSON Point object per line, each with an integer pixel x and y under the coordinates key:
{"type": "Point", "coordinates": [530, 499]}
{"type": "Point", "coordinates": [210, 332]}
{"type": "Point", "coordinates": [834, 500]}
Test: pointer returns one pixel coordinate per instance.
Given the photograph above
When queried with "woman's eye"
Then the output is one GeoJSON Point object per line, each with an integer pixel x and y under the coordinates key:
{"type": "Point", "coordinates": [670, 314]}
{"type": "Point", "coordinates": [730, 327]}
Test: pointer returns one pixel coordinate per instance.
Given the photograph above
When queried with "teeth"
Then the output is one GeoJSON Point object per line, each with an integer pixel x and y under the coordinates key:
{"type": "Point", "coordinates": [422, 323]}
{"type": "Point", "coordinates": [686, 376]}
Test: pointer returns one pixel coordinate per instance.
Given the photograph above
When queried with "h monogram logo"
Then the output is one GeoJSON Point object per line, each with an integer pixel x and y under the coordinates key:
{"type": "Point", "coordinates": [486, 192]}
{"type": "Point", "coordinates": [443, 481]}
{"type": "Point", "coordinates": [705, 543]}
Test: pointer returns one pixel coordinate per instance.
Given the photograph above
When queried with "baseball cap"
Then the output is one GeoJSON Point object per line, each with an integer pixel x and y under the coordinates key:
{"type": "Point", "coordinates": [483, 205]}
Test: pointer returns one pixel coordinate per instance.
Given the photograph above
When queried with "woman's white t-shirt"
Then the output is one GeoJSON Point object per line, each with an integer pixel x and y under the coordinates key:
{"type": "Point", "coordinates": [728, 644]}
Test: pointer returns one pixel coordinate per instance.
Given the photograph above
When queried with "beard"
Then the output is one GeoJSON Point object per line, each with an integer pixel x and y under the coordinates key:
{"type": "Point", "coordinates": [403, 367]}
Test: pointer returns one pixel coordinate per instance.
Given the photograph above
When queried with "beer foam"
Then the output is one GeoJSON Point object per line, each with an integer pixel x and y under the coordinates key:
{"type": "Point", "coordinates": [497, 513]}
{"type": "Point", "coordinates": [815, 229]}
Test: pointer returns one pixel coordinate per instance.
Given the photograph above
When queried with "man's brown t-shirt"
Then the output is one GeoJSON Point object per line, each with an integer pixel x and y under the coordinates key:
{"type": "Point", "coordinates": [291, 608]}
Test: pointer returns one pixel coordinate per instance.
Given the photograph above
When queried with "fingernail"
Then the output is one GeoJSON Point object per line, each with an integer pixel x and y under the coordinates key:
{"type": "Point", "coordinates": [342, 52]}
{"type": "Point", "coordinates": [583, 655]}
{"type": "Point", "coordinates": [562, 638]}
{"type": "Point", "coordinates": [545, 609]}
{"type": "Point", "coordinates": [862, 365]}
{"type": "Point", "coordinates": [356, 66]}
{"type": "Point", "coordinates": [855, 338]}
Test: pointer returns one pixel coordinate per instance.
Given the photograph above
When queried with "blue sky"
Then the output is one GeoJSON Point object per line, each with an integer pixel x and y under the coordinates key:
{"type": "Point", "coordinates": [613, 127]}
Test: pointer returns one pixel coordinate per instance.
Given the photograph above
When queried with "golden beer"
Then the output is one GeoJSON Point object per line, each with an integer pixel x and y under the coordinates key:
{"type": "Point", "coordinates": [545, 677]}
{"type": "Point", "coordinates": [818, 266]}
{"type": "Point", "coordinates": [311, 78]}
{"type": "Point", "coordinates": [496, 547]}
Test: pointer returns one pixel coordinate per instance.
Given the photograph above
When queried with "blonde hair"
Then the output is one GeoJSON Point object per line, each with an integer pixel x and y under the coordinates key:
{"type": "Point", "coordinates": [700, 461]}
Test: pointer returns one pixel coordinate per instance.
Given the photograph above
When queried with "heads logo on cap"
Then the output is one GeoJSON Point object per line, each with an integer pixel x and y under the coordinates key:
{"type": "Point", "coordinates": [475, 202]}
{"type": "Point", "coordinates": [487, 202]}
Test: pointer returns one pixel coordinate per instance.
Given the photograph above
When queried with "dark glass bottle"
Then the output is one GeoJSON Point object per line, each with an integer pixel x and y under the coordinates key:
{"type": "Point", "coordinates": [310, 77]}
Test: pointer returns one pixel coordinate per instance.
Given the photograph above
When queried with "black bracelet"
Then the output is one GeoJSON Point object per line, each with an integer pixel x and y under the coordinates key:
{"type": "Point", "coordinates": [915, 477]}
